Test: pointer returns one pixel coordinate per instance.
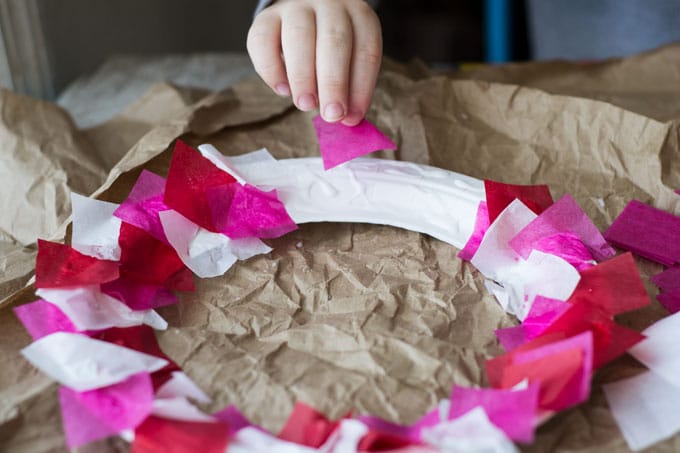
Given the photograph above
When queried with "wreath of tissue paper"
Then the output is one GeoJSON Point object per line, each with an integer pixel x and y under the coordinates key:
{"type": "Point", "coordinates": [93, 326]}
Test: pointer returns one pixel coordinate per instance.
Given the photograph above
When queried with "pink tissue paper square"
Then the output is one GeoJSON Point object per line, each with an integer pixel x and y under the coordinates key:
{"type": "Point", "coordinates": [100, 413]}
{"type": "Point", "coordinates": [143, 204]}
{"type": "Point", "coordinates": [339, 143]}
{"type": "Point", "coordinates": [41, 318]}
{"type": "Point", "coordinates": [513, 411]}
{"type": "Point", "coordinates": [255, 213]}
{"type": "Point", "coordinates": [566, 220]}
{"type": "Point", "coordinates": [648, 232]}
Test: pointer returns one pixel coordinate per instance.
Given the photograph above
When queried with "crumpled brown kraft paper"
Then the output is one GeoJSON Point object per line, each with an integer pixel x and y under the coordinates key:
{"type": "Point", "coordinates": [374, 318]}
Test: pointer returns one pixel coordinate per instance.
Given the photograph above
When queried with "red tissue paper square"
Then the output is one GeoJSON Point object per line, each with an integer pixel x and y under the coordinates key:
{"type": "Point", "coordinates": [145, 259]}
{"type": "Point", "coordinates": [189, 179]}
{"type": "Point", "coordinates": [499, 195]}
{"type": "Point", "coordinates": [60, 265]}
{"type": "Point", "coordinates": [614, 286]}
{"type": "Point", "coordinates": [306, 426]}
{"type": "Point", "coordinates": [648, 232]}
{"type": "Point", "coordinates": [162, 435]}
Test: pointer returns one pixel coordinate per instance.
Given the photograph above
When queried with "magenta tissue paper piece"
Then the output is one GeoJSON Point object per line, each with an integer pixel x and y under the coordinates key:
{"type": "Point", "coordinates": [234, 419]}
{"type": "Point", "coordinates": [339, 143]}
{"type": "Point", "coordinates": [410, 432]}
{"type": "Point", "coordinates": [97, 414]}
{"type": "Point", "coordinates": [670, 300]}
{"type": "Point", "coordinates": [565, 216]}
{"type": "Point", "coordinates": [512, 411]}
{"type": "Point", "coordinates": [481, 225]}
{"type": "Point", "coordinates": [143, 204]}
{"type": "Point", "coordinates": [41, 318]}
{"type": "Point", "coordinates": [667, 280]}
{"type": "Point", "coordinates": [648, 232]}
{"type": "Point", "coordinates": [511, 337]}
{"type": "Point", "coordinates": [255, 213]}
{"type": "Point", "coordinates": [542, 313]}
{"type": "Point", "coordinates": [139, 296]}
{"type": "Point", "coordinates": [567, 246]}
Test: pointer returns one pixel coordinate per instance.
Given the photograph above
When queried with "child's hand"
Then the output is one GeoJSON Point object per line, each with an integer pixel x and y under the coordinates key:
{"type": "Point", "coordinates": [325, 53]}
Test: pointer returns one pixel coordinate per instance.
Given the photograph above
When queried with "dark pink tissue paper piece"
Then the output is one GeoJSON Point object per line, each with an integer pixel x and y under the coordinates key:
{"type": "Point", "coordinates": [561, 220]}
{"type": "Point", "coordinates": [100, 413]}
{"type": "Point", "coordinates": [410, 432]}
{"type": "Point", "coordinates": [481, 225]}
{"type": "Point", "coordinates": [143, 204]}
{"type": "Point", "coordinates": [648, 232]}
{"type": "Point", "coordinates": [234, 419]}
{"type": "Point", "coordinates": [668, 280]}
{"type": "Point", "coordinates": [339, 143]}
{"type": "Point", "coordinates": [139, 296]}
{"type": "Point", "coordinates": [670, 300]}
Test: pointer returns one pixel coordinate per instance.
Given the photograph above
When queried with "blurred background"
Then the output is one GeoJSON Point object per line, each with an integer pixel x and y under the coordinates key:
{"type": "Point", "coordinates": [86, 53]}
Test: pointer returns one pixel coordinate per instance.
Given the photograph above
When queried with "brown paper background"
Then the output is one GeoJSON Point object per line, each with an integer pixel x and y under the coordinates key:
{"type": "Point", "coordinates": [347, 316]}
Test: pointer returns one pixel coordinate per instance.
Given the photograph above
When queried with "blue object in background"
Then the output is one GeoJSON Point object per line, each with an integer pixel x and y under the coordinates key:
{"type": "Point", "coordinates": [498, 30]}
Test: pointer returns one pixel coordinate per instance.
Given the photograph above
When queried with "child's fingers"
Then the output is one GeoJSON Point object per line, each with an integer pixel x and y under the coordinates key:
{"type": "Point", "coordinates": [264, 47]}
{"type": "Point", "coordinates": [298, 38]}
{"type": "Point", "coordinates": [333, 56]}
{"type": "Point", "coordinates": [366, 58]}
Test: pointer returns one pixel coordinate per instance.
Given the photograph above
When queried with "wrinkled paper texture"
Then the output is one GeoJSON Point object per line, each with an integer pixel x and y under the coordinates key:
{"type": "Point", "coordinates": [345, 316]}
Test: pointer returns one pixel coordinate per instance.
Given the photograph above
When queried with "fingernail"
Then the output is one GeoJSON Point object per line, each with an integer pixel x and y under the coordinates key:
{"type": "Point", "coordinates": [333, 112]}
{"type": "Point", "coordinates": [306, 102]}
{"type": "Point", "coordinates": [282, 89]}
{"type": "Point", "coordinates": [353, 118]}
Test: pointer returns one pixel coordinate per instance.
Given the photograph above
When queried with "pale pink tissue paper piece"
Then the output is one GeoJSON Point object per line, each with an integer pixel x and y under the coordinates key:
{"type": "Point", "coordinates": [564, 217]}
{"type": "Point", "coordinates": [513, 411]}
{"type": "Point", "coordinates": [143, 204]}
{"type": "Point", "coordinates": [83, 363]}
{"type": "Point", "coordinates": [481, 225]}
{"type": "Point", "coordinates": [96, 414]}
{"type": "Point", "coordinates": [660, 351]}
{"type": "Point", "coordinates": [41, 318]}
{"type": "Point", "coordinates": [95, 229]}
{"type": "Point", "coordinates": [90, 309]}
{"type": "Point", "coordinates": [645, 407]}
{"type": "Point", "coordinates": [206, 253]}
{"type": "Point", "coordinates": [339, 143]}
